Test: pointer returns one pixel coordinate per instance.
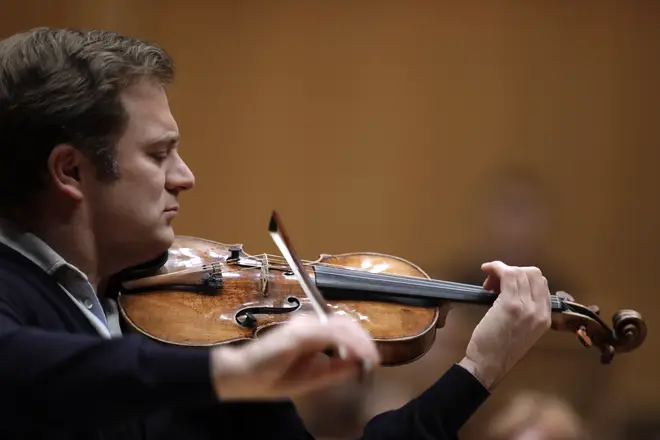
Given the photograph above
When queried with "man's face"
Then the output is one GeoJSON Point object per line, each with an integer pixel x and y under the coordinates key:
{"type": "Point", "coordinates": [132, 216]}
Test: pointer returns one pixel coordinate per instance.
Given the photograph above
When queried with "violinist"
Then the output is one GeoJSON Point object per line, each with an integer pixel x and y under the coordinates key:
{"type": "Point", "coordinates": [91, 177]}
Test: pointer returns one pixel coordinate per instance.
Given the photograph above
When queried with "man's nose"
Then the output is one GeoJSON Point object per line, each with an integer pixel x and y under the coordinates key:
{"type": "Point", "coordinates": [180, 178]}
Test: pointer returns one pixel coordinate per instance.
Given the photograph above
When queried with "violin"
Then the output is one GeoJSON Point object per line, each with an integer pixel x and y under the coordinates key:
{"type": "Point", "coordinates": [204, 293]}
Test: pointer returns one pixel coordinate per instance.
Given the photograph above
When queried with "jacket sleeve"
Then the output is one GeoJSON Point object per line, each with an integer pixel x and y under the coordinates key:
{"type": "Point", "coordinates": [437, 414]}
{"type": "Point", "coordinates": [50, 378]}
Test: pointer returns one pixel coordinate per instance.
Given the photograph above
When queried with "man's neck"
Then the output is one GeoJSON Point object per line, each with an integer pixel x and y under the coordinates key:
{"type": "Point", "coordinates": [69, 236]}
{"type": "Point", "coordinates": [76, 246]}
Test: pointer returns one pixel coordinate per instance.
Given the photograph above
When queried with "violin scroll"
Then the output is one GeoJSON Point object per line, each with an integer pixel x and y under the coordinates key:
{"type": "Point", "coordinates": [629, 328]}
{"type": "Point", "coordinates": [627, 333]}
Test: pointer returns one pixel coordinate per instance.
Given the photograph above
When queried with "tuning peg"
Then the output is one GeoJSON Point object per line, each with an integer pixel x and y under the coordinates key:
{"type": "Point", "coordinates": [607, 355]}
{"type": "Point", "coordinates": [583, 337]}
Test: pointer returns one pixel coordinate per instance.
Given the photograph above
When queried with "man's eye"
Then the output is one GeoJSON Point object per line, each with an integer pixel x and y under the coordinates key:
{"type": "Point", "coordinates": [160, 156]}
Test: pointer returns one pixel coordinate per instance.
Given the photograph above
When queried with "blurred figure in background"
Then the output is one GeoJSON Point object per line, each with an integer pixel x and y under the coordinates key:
{"type": "Point", "coordinates": [513, 216]}
{"type": "Point", "coordinates": [537, 416]}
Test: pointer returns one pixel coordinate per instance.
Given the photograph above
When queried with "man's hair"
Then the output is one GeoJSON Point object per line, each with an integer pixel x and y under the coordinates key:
{"type": "Point", "coordinates": [63, 86]}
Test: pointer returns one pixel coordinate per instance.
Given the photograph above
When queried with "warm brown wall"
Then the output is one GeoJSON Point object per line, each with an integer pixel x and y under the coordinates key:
{"type": "Point", "coordinates": [368, 124]}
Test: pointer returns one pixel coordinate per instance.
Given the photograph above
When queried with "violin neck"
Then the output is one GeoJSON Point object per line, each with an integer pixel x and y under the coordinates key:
{"type": "Point", "coordinates": [340, 283]}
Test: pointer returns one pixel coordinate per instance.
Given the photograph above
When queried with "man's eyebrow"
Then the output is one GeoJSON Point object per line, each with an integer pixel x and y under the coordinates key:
{"type": "Point", "coordinates": [170, 138]}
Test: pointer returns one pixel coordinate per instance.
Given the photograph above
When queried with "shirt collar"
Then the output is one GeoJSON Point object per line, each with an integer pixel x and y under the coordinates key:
{"type": "Point", "coordinates": [74, 282]}
{"type": "Point", "coordinates": [35, 249]}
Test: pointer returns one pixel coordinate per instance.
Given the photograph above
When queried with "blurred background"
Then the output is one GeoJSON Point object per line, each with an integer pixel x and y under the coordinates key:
{"type": "Point", "coordinates": [445, 133]}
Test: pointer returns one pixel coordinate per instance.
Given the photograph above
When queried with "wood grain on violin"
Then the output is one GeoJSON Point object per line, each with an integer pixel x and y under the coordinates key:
{"type": "Point", "coordinates": [208, 293]}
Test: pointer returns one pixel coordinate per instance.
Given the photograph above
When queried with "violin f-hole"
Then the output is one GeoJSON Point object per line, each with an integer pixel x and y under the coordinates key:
{"type": "Point", "coordinates": [246, 317]}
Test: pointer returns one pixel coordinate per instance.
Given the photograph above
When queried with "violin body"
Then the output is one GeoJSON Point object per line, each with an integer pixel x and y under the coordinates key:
{"type": "Point", "coordinates": [167, 305]}
{"type": "Point", "coordinates": [205, 293]}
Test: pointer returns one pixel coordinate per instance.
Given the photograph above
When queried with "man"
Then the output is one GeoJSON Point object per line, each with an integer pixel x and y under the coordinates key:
{"type": "Point", "coordinates": [91, 176]}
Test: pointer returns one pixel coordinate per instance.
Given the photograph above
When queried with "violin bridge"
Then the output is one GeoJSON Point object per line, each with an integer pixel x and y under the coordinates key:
{"type": "Point", "coordinates": [264, 276]}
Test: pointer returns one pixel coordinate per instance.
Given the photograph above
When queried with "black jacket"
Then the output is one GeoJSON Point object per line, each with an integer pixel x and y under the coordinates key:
{"type": "Point", "coordinates": [59, 379]}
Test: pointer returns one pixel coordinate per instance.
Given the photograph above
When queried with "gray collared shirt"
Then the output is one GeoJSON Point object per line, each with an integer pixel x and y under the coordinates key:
{"type": "Point", "coordinates": [74, 282]}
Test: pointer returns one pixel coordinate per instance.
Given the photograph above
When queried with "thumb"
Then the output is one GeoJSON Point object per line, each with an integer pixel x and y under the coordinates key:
{"type": "Point", "coordinates": [564, 295]}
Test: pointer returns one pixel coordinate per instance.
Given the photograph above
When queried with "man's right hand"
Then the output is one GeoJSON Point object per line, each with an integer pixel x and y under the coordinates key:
{"type": "Point", "coordinates": [290, 360]}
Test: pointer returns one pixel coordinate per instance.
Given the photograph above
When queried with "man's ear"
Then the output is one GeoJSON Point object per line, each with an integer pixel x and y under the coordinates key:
{"type": "Point", "coordinates": [64, 168]}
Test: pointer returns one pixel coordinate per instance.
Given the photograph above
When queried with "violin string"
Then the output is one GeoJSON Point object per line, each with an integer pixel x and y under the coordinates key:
{"type": "Point", "coordinates": [376, 275]}
{"type": "Point", "coordinates": [364, 274]}
{"type": "Point", "coordinates": [396, 277]}
{"type": "Point", "coordinates": [410, 280]}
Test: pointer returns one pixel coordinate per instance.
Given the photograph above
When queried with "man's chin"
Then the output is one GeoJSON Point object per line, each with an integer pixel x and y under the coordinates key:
{"type": "Point", "coordinates": [164, 240]}
{"type": "Point", "coordinates": [153, 247]}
